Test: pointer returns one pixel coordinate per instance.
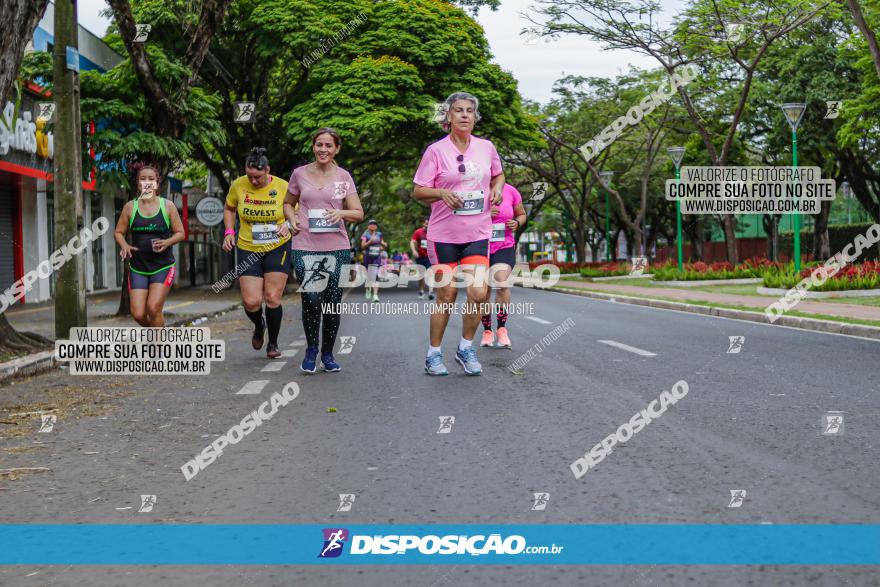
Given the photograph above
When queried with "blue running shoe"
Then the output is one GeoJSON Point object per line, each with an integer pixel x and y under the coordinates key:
{"type": "Point", "coordinates": [467, 358]}
{"type": "Point", "coordinates": [434, 365]}
{"type": "Point", "coordinates": [329, 364]}
{"type": "Point", "coordinates": [308, 364]}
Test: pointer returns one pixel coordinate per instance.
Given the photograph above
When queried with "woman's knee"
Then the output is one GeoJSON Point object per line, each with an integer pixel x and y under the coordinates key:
{"type": "Point", "coordinates": [154, 309]}
{"type": "Point", "coordinates": [273, 298]}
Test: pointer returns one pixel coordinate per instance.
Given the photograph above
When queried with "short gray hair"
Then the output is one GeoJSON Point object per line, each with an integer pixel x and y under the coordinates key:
{"type": "Point", "coordinates": [443, 112]}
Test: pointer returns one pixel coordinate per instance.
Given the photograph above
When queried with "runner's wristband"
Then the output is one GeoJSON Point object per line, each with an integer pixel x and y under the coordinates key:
{"type": "Point", "coordinates": [229, 231]}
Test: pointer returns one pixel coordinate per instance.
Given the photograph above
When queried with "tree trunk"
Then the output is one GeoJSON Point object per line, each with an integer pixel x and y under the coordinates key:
{"type": "Point", "coordinates": [580, 242]}
{"type": "Point", "coordinates": [771, 227]}
{"type": "Point", "coordinates": [12, 341]}
{"type": "Point", "coordinates": [650, 239]}
{"type": "Point", "coordinates": [730, 238]}
{"type": "Point", "coordinates": [615, 244]}
{"type": "Point", "coordinates": [593, 243]}
{"type": "Point", "coordinates": [821, 240]}
{"type": "Point", "coordinates": [867, 32]}
{"type": "Point", "coordinates": [629, 244]}
{"type": "Point", "coordinates": [638, 238]}
{"type": "Point", "coordinates": [20, 18]}
{"type": "Point", "coordinates": [695, 232]}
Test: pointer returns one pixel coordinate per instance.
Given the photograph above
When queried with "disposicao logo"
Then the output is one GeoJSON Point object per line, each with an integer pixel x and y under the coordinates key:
{"type": "Point", "coordinates": [334, 540]}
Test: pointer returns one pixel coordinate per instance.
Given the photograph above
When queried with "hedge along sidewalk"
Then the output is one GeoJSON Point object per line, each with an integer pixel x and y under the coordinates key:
{"type": "Point", "coordinates": [676, 299]}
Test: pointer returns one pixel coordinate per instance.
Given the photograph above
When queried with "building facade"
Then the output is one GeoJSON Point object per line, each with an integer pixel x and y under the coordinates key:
{"type": "Point", "coordinates": [26, 194]}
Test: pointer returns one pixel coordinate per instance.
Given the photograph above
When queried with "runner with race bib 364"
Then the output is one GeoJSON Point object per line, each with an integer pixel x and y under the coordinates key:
{"type": "Point", "coordinates": [461, 177]}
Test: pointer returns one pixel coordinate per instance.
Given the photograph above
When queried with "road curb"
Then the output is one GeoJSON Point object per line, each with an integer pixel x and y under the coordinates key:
{"type": "Point", "coordinates": [814, 324]}
{"type": "Point", "coordinates": [44, 361]}
{"type": "Point", "coordinates": [204, 317]}
{"type": "Point", "coordinates": [27, 365]}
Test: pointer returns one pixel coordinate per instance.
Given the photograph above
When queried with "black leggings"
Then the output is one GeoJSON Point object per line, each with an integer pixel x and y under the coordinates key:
{"type": "Point", "coordinates": [318, 276]}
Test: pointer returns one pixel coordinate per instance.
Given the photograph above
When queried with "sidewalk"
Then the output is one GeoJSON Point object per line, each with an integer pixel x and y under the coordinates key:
{"type": "Point", "coordinates": [181, 304]}
{"type": "Point", "coordinates": [825, 309]}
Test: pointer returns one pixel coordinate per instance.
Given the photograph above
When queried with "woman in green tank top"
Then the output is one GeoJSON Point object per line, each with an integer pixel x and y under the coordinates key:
{"type": "Point", "coordinates": [155, 227]}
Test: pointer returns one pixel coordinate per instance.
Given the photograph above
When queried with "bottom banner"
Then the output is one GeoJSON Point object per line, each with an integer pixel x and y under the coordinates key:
{"type": "Point", "coordinates": [619, 544]}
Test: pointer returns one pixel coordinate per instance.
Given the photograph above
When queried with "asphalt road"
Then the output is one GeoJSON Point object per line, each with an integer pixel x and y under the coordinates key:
{"type": "Point", "coordinates": [751, 420]}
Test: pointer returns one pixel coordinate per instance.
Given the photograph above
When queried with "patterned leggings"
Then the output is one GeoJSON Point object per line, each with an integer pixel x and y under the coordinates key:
{"type": "Point", "coordinates": [501, 316]}
{"type": "Point", "coordinates": [318, 276]}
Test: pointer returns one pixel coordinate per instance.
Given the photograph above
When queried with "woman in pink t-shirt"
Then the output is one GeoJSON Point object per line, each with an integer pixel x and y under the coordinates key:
{"type": "Point", "coordinates": [507, 217]}
{"type": "Point", "coordinates": [460, 176]}
{"type": "Point", "coordinates": [327, 199]}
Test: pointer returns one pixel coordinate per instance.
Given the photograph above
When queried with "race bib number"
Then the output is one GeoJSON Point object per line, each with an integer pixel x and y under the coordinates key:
{"type": "Point", "coordinates": [317, 222]}
{"type": "Point", "coordinates": [374, 250]}
{"type": "Point", "coordinates": [497, 232]}
{"type": "Point", "coordinates": [423, 243]}
{"type": "Point", "coordinates": [473, 203]}
{"type": "Point", "coordinates": [264, 234]}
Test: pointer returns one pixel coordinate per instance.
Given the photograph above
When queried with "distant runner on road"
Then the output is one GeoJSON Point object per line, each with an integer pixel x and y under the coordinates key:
{"type": "Point", "coordinates": [327, 199]}
{"type": "Point", "coordinates": [257, 198]}
{"type": "Point", "coordinates": [372, 244]}
{"type": "Point", "coordinates": [418, 244]}
{"type": "Point", "coordinates": [461, 177]}
{"type": "Point", "coordinates": [507, 217]}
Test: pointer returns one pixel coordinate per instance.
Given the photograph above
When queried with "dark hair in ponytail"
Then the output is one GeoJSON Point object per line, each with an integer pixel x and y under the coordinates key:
{"type": "Point", "coordinates": [257, 159]}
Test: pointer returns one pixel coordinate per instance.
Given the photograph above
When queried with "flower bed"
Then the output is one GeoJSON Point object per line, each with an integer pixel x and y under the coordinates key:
{"type": "Point", "coordinates": [607, 270]}
{"type": "Point", "coordinates": [566, 267]}
{"type": "Point", "coordinates": [592, 269]}
{"type": "Point", "coordinates": [863, 276]}
{"type": "Point", "coordinates": [751, 268]}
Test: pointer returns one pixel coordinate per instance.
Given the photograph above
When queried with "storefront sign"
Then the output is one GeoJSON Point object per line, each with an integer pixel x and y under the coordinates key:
{"type": "Point", "coordinates": [24, 134]}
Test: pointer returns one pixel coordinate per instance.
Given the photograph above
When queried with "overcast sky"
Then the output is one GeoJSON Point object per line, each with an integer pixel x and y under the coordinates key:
{"type": "Point", "coordinates": [535, 66]}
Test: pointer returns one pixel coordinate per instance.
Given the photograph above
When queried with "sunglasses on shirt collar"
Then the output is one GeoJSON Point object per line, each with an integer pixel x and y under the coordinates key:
{"type": "Point", "coordinates": [461, 167]}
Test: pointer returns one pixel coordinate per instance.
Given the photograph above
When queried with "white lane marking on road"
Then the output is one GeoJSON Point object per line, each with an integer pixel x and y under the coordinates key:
{"type": "Point", "coordinates": [253, 387]}
{"type": "Point", "coordinates": [274, 366]}
{"type": "Point", "coordinates": [538, 320]}
{"type": "Point", "coordinates": [740, 320]}
{"type": "Point", "coordinates": [626, 347]}
{"type": "Point", "coordinates": [290, 353]}
{"type": "Point", "coordinates": [298, 343]}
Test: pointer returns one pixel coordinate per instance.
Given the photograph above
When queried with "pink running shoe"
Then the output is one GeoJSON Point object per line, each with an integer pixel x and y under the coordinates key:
{"type": "Point", "coordinates": [503, 339]}
{"type": "Point", "coordinates": [488, 338]}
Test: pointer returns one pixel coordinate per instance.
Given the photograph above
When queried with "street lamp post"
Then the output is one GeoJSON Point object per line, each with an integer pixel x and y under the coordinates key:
{"type": "Point", "coordinates": [794, 112]}
{"type": "Point", "coordinates": [605, 177]}
{"type": "Point", "coordinates": [677, 154]}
